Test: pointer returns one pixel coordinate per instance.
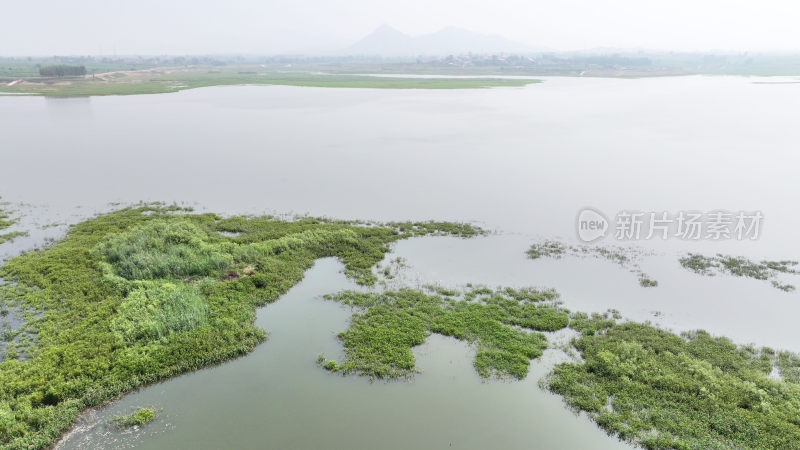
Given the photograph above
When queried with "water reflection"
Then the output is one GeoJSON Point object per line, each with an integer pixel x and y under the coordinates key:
{"type": "Point", "coordinates": [69, 108]}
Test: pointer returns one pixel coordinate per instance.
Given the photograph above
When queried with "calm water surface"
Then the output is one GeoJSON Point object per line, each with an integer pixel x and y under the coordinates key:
{"type": "Point", "coordinates": [521, 161]}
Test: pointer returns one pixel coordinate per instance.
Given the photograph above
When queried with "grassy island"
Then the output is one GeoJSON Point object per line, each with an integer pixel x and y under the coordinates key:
{"type": "Point", "coordinates": [142, 294]}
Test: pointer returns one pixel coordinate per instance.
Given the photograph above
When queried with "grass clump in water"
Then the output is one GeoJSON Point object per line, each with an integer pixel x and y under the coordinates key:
{"type": "Point", "coordinates": [5, 218]}
{"type": "Point", "coordinates": [142, 294]}
{"type": "Point", "coordinates": [141, 416]}
{"type": "Point", "coordinates": [8, 237]}
{"type": "Point", "coordinates": [699, 264]}
{"type": "Point", "coordinates": [659, 390]}
{"type": "Point", "coordinates": [740, 266]}
{"type": "Point", "coordinates": [502, 324]}
{"type": "Point", "coordinates": [646, 281]}
{"type": "Point", "coordinates": [549, 249]}
{"type": "Point", "coordinates": [433, 228]}
{"type": "Point", "coordinates": [625, 257]}
{"type": "Point", "coordinates": [7, 221]}
{"type": "Point", "coordinates": [785, 287]}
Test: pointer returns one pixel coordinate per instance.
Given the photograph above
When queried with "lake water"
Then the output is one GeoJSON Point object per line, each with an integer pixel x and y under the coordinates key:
{"type": "Point", "coordinates": [521, 161]}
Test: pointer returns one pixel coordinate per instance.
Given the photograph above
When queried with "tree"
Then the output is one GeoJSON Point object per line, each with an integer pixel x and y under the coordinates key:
{"type": "Point", "coordinates": [62, 70]}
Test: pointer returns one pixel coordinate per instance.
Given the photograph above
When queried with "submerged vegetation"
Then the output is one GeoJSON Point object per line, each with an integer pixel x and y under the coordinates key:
{"type": "Point", "coordinates": [5, 222]}
{"type": "Point", "coordinates": [145, 293]}
{"type": "Point", "coordinates": [646, 281]}
{"type": "Point", "coordinates": [547, 249]}
{"type": "Point", "coordinates": [740, 267]}
{"type": "Point", "coordinates": [10, 236]}
{"type": "Point", "coordinates": [626, 257]}
{"type": "Point", "coordinates": [504, 326]}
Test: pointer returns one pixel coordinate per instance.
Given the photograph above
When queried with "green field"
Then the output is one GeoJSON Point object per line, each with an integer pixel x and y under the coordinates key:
{"type": "Point", "coordinates": [165, 81]}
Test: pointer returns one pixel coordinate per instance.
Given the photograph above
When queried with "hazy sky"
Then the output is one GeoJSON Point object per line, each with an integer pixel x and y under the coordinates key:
{"type": "Point", "coordinates": [48, 27]}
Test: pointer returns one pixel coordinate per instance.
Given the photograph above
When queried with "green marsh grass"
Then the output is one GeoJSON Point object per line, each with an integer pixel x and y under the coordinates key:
{"type": "Point", "coordinates": [644, 385]}
{"type": "Point", "coordinates": [504, 325]}
{"type": "Point", "coordinates": [740, 266]}
{"type": "Point", "coordinates": [626, 257]}
{"type": "Point", "coordinates": [659, 390]}
{"type": "Point", "coordinates": [7, 221]}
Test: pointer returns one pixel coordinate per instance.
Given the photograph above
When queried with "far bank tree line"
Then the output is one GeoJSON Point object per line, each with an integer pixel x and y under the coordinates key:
{"type": "Point", "coordinates": [62, 70]}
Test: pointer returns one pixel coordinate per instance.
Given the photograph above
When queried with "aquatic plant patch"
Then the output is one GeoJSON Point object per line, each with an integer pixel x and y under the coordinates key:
{"type": "Point", "coordinates": [626, 257]}
{"type": "Point", "coordinates": [17, 332]}
{"type": "Point", "coordinates": [6, 221]}
{"type": "Point", "coordinates": [660, 390]}
{"type": "Point", "coordinates": [647, 386]}
{"type": "Point", "coordinates": [503, 325]}
{"type": "Point", "coordinates": [140, 417]}
{"type": "Point", "coordinates": [740, 266]}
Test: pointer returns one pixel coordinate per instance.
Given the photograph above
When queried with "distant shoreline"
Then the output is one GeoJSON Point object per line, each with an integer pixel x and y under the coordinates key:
{"type": "Point", "coordinates": [166, 80]}
{"type": "Point", "coordinates": [118, 79]}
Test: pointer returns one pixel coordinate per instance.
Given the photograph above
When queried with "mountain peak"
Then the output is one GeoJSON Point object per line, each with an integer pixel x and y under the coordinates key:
{"type": "Point", "coordinates": [386, 29]}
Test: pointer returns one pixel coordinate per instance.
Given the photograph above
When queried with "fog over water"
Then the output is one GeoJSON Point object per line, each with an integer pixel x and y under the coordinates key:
{"type": "Point", "coordinates": [155, 27]}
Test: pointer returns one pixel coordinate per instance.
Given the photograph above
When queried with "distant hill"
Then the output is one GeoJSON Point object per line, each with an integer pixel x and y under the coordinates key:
{"type": "Point", "coordinates": [387, 41]}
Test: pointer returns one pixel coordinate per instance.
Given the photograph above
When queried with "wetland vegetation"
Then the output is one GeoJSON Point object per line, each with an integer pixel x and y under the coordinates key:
{"type": "Point", "coordinates": [141, 416]}
{"type": "Point", "coordinates": [6, 221]}
{"type": "Point", "coordinates": [148, 292]}
{"type": "Point", "coordinates": [503, 324]}
{"type": "Point", "coordinates": [626, 257]}
{"type": "Point", "coordinates": [740, 266]}
{"type": "Point", "coordinates": [642, 384]}
{"type": "Point", "coordinates": [660, 390]}
{"type": "Point", "coordinates": [145, 293]}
